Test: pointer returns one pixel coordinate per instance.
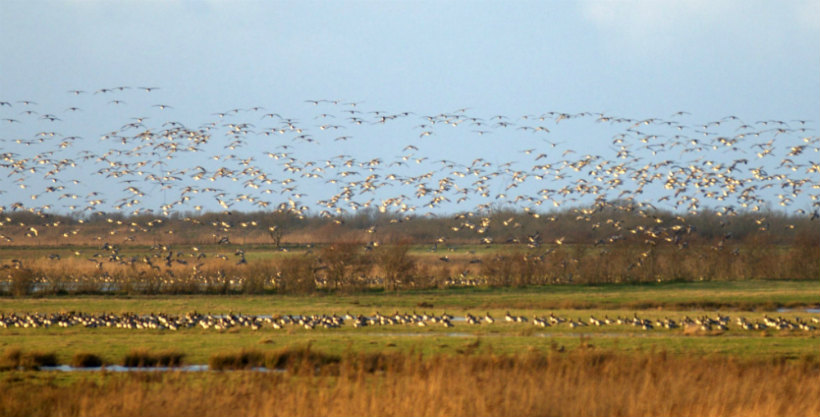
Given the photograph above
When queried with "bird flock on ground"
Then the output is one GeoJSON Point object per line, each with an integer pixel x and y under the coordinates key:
{"type": "Point", "coordinates": [339, 157]}
{"type": "Point", "coordinates": [717, 322]}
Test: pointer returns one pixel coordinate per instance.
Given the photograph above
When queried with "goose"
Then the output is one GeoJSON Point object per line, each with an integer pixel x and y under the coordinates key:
{"type": "Point", "coordinates": [489, 319]}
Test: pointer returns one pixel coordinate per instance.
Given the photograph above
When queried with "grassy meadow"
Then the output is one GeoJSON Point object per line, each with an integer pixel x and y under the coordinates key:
{"type": "Point", "coordinates": [750, 299]}
{"type": "Point", "coordinates": [760, 295]}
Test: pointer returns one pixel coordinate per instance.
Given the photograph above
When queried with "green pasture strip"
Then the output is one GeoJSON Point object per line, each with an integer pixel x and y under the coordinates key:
{"type": "Point", "coordinates": [198, 345]}
{"type": "Point", "coordinates": [724, 295]}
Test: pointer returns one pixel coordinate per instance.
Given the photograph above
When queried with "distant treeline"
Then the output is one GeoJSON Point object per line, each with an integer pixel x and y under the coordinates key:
{"type": "Point", "coordinates": [599, 224]}
{"type": "Point", "coordinates": [283, 253]}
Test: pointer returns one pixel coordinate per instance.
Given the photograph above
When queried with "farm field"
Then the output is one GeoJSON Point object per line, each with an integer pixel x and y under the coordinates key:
{"type": "Point", "coordinates": [406, 370]}
{"type": "Point", "coordinates": [565, 368]}
{"type": "Point", "coordinates": [573, 305]}
{"type": "Point", "coordinates": [760, 295]}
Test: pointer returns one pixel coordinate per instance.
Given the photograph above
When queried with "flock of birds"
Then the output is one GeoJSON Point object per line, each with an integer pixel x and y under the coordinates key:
{"type": "Point", "coordinates": [340, 158]}
{"type": "Point", "coordinates": [333, 321]}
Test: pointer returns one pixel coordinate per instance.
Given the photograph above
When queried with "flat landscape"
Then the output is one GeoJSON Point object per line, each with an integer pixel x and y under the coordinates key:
{"type": "Point", "coordinates": [415, 208]}
{"type": "Point", "coordinates": [749, 300]}
{"type": "Point", "coordinates": [574, 341]}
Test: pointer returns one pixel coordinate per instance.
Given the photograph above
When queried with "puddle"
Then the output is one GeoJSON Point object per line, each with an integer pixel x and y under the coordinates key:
{"type": "Point", "coordinates": [120, 368]}
{"type": "Point", "coordinates": [799, 310]}
{"type": "Point", "coordinates": [422, 334]}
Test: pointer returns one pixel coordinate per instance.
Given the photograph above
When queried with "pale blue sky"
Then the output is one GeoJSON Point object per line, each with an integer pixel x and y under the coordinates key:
{"type": "Point", "coordinates": [758, 60]}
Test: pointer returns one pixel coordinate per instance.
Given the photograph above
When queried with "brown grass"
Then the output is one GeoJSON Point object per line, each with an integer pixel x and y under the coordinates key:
{"type": "Point", "coordinates": [86, 360]}
{"type": "Point", "coordinates": [146, 358]}
{"type": "Point", "coordinates": [292, 359]}
{"type": "Point", "coordinates": [244, 359]}
{"type": "Point", "coordinates": [14, 358]}
{"type": "Point", "coordinates": [578, 383]}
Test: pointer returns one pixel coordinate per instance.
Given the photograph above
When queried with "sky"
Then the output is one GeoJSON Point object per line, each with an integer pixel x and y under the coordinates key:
{"type": "Point", "coordinates": [754, 60]}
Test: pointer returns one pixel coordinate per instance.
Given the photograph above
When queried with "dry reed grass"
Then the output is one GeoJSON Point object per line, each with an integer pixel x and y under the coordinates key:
{"type": "Point", "coordinates": [146, 358]}
{"type": "Point", "coordinates": [86, 360]}
{"type": "Point", "coordinates": [292, 359]}
{"type": "Point", "coordinates": [14, 358]}
{"type": "Point", "coordinates": [578, 383]}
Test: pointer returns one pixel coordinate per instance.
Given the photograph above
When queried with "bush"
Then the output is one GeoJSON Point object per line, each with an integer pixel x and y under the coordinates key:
{"type": "Point", "coordinates": [256, 278]}
{"type": "Point", "coordinates": [22, 282]}
{"type": "Point", "coordinates": [344, 264]}
{"type": "Point", "coordinates": [397, 266]}
{"type": "Point", "coordinates": [296, 275]}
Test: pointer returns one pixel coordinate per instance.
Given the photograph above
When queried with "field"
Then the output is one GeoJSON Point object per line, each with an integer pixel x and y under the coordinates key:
{"type": "Point", "coordinates": [387, 209]}
{"type": "Point", "coordinates": [715, 326]}
{"type": "Point", "coordinates": [749, 299]}
{"type": "Point", "coordinates": [461, 370]}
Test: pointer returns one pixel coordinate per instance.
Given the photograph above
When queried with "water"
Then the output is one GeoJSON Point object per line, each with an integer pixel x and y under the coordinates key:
{"type": "Point", "coordinates": [799, 310]}
{"type": "Point", "coordinates": [120, 368]}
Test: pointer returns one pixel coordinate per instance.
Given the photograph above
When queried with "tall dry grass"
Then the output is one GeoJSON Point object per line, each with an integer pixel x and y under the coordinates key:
{"type": "Point", "coordinates": [13, 358]}
{"type": "Point", "coordinates": [580, 383]}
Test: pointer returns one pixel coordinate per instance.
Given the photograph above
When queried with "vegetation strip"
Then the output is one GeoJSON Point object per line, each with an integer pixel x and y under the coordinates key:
{"type": "Point", "coordinates": [578, 382]}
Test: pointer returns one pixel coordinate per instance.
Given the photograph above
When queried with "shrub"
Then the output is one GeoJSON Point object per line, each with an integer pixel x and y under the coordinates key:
{"type": "Point", "coordinates": [256, 278]}
{"type": "Point", "coordinates": [22, 282]}
{"type": "Point", "coordinates": [397, 266]}
{"type": "Point", "coordinates": [296, 275]}
{"type": "Point", "coordinates": [343, 264]}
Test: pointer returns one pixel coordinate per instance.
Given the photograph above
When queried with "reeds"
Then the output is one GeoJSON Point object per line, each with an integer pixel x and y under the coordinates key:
{"type": "Point", "coordinates": [139, 358]}
{"type": "Point", "coordinates": [14, 358]}
{"type": "Point", "coordinates": [291, 359]}
{"type": "Point", "coordinates": [577, 383]}
{"type": "Point", "coordinates": [244, 359]}
{"type": "Point", "coordinates": [86, 360]}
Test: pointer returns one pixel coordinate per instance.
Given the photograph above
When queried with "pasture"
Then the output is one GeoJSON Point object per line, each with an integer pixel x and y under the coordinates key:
{"type": "Point", "coordinates": [574, 305]}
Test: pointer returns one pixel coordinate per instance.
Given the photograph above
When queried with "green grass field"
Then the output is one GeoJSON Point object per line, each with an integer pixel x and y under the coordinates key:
{"type": "Point", "coordinates": [750, 299]}
{"type": "Point", "coordinates": [199, 345]}
{"type": "Point", "coordinates": [727, 295]}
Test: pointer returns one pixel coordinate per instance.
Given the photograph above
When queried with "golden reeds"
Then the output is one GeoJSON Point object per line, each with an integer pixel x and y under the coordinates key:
{"type": "Point", "coordinates": [578, 383]}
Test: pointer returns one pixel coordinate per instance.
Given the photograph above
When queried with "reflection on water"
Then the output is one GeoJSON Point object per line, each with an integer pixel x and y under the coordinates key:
{"type": "Point", "coordinates": [799, 310]}
{"type": "Point", "coordinates": [120, 368]}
